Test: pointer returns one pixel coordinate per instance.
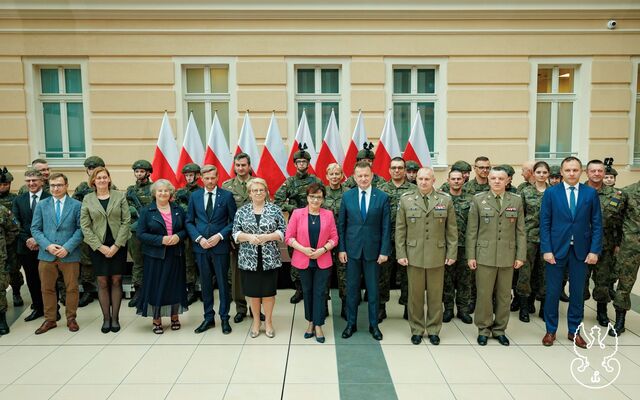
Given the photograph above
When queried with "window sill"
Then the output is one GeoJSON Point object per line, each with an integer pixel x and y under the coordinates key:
{"type": "Point", "coordinates": [66, 162]}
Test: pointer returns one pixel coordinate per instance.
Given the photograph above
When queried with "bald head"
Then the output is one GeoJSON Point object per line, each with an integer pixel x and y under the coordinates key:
{"type": "Point", "coordinates": [527, 171]}
{"type": "Point", "coordinates": [425, 180]}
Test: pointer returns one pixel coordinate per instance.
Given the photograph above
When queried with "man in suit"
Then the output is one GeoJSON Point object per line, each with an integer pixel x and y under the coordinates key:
{"type": "Point", "coordinates": [496, 244]}
{"type": "Point", "coordinates": [426, 241]}
{"type": "Point", "coordinates": [365, 243]}
{"type": "Point", "coordinates": [27, 248]}
{"type": "Point", "coordinates": [570, 238]}
{"type": "Point", "coordinates": [209, 223]}
{"type": "Point", "coordinates": [56, 229]}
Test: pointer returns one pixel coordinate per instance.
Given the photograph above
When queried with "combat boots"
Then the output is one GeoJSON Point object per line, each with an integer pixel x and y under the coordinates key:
{"type": "Point", "coordinates": [515, 303]}
{"type": "Point", "coordinates": [85, 299]}
{"type": "Point", "coordinates": [297, 296]}
{"type": "Point", "coordinates": [134, 299]}
{"type": "Point", "coordinates": [532, 303]}
{"type": "Point", "coordinates": [619, 325]}
{"type": "Point", "coordinates": [524, 308]}
{"type": "Point", "coordinates": [17, 298]}
{"type": "Point", "coordinates": [601, 314]}
{"type": "Point", "coordinates": [541, 310]}
{"type": "Point", "coordinates": [382, 312]}
{"type": "Point", "coordinates": [192, 296]}
{"type": "Point", "coordinates": [447, 316]}
{"type": "Point", "coordinates": [4, 328]}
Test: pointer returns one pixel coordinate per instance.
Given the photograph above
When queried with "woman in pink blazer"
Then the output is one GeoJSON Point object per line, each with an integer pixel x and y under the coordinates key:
{"type": "Point", "coordinates": [312, 234]}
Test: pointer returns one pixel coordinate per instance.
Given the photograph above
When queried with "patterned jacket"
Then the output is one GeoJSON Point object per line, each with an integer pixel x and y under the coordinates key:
{"type": "Point", "coordinates": [271, 221]}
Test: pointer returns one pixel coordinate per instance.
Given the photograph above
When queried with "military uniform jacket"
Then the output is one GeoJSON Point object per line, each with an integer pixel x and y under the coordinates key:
{"type": "Point", "coordinates": [333, 199]}
{"type": "Point", "coordinates": [473, 187]}
{"type": "Point", "coordinates": [395, 192]}
{"type": "Point", "coordinates": [631, 221]}
{"type": "Point", "coordinates": [293, 192]}
{"type": "Point", "coordinates": [461, 204]}
{"type": "Point", "coordinates": [183, 194]}
{"type": "Point", "coordinates": [426, 236]}
{"type": "Point", "coordinates": [613, 203]}
{"type": "Point", "coordinates": [6, 199]}
{"type": "Point", "coordinates": [532, 201]}
{"type": "Point", "coordinates": [496, 236]}
{"type": "Point", "coordinates": [238, 189]}
{"type": "Point", "coordinates": [138, 197]}
{"type": "Point", "coordinates": [8, 233]}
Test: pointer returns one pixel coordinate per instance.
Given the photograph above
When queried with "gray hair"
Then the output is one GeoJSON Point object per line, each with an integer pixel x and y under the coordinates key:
{"type": "Point", "coordinates": [33, 173]}
{"type": "Point", "coordinates": [164, 183]}
{"type": "Point", "coordinates": [257, 181]}
{"type": "Point", "coordinates": [333, 166]}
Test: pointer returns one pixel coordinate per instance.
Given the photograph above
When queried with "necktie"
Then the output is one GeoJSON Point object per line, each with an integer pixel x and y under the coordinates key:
{"type": "Point", "coordinates": [499, 202]}
{"type": "Point", "coordinates": [572, 201]}
{"type": "Point", "coordinates": [426, 202]}
{"type": "Point", "coordinates": [34, 201]}
{"type": "Point", "coordinates": [57, 211]}
{"type": "Point", "coordinates": [363, 205]}
{"type": "Point", "coordinates": [210, 205]}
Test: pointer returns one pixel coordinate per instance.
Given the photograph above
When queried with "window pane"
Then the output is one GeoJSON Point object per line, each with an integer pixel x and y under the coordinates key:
{"type": "Point", "coordinates": [427, 113]}
{"type": "Point", "coordinates": [329, 81]}
{"type": "Point", "coordinates": [306, 81]}
{"type": "Point", "coordinates": [566, 80]}
{"type": "Point", "coordinates": [636, 146]}
{"type": "Point", "coordinates": [197, 109]}
{"type": "Point", "coordinates": [402, 122]}
{"type": "Point", "coordinates": [326, 114]}
{"type": "Point", "coordinates": [72, 80]}
{"type": "Point", "coordinates": [544, 80]}
{"type": "Point", "coordinates": [223, 116]}
{"type": "Point", "coordinates": [426, 81]}
{"type": "Point", "coordinates": [195, 80]}
{"type": "Point", "coordinates": [543, 129]}
{"type": "Point", "coordinates": [75, 124]}
{"type": "Point", "coordinates": [219, 80]}
{"type": "Point", "coordinates": [49, 78]}
{"type": "Point", "coordinates": [401, 81]}
{"type": "Point", "coordinates": [310, 111]}
{"type": "Point", "coordinates": [565, 121]}
{"type": "Point", "coordinates": [52, 129]}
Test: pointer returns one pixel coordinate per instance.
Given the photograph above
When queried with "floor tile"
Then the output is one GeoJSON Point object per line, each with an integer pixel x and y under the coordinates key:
{"type": "Point", "coordinates": [312, 364]}
{"type": "Point", "coordinates": [14, 392]}
{"type": "Point", "coordinates": [632, 391]}
{"type": "Point", "coordinates": [202, 369]}
{"type": "Point", "coordinates": [141, 391]}
{"type": "Point", "coordinates": [512, 365]}
{"type": "Point", "coordinates": [310, 391]}
{"type": "Point", "coordinates": [111, 365]}
{"type": "Point", "coordinates": [50, 371]}
{"type": "Point", "coordinates": [369, 391]}
{"type": "Point", "coordinates": [581, 392]}
{"type": "Point", "coordinates": [472, 370]}
{"type": "Point", "coordinates": [161, 364]}
{"type": "Point", "coordinates": [84, 392]}
{"type": "Point", "coordinates": [265, 364]}
{"type": "Point", "coordinates": [244, 391]}
{"type": "Point", "coordinates": [21, 359]}
{"type": "Point", "coordinates": [207, 391]}
{"type": "Point", "coordinates": [479, 391]}
{"type": "Point", "coordinates": [422, 391]}
{"type": "Point", "coordinates": [536, 392]}
{"type": "Point", "coordinates": [411, 364]}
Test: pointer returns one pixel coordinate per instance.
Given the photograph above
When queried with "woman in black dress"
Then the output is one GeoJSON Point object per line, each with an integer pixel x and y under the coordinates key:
{"type": "Point", "coordinates": [104, 219]}
{"type": "Point", "coordinates": [161, 230]}
{"type": "Point", "coordinates": [257, 227]}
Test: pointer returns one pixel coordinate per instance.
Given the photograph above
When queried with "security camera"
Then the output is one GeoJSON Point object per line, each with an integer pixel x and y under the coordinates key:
{"type": "Point", "coordinates": [612, 24]}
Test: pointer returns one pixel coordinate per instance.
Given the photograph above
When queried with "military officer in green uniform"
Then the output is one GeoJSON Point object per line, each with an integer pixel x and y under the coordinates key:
{"type": "Point", "coordinates": [367, 155]}
{"type": "Point", "coordinates": [138, 196]}
{"type": "Point", "coordinates": [395, 188]}
{"type": "Point", "coordinates": [496, 244]}
{"type": "Point", "coordinates": [480, 183]}
{"type": "Point", "coordinates": [457, 277]}
{"type": "Point", "coordinates": [238, 188]}
{"type": "Point", "coordinates": [461, 166]}
{"type": "Point", "coordinates": [191, 174]}
{"type": "Point", "coordinates": [8, 234]}
{"type": "Point", "coordinates": [555, 176]}
{"type": "Point", "coordinates": [426, 241]}
{"type": "Point", "coordinates": [411, 171]}
{"type": "Point", "coordinates": [16, 279]}
{"type": "Point", "coordinates": [42, 166]}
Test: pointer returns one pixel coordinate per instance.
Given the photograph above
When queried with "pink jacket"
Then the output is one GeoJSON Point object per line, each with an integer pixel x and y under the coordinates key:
{"type": "Point", "coordinates": [298, 229]}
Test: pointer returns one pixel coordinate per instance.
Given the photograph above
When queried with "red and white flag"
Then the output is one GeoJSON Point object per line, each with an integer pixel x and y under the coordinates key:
{"type": "Point", "coordinates": [247, 142]}
{"type": "Point", "coordinates": [165, 158]}
{"type": "Point", "coordinates": [387, 149]}
{"type": "Point", "coordinates": [303, 135]}
{"type": "Point", "coordinates": [192, 149]}
{"type": "Point", "coordinates": [417, 147]}
{"type": "Point", "coordinates": [358, 140]}
{"type": "Point", "coordinates": [218, 153]}
{"type": "Point", "coordinates": [331, 150]}
{"type": "Point", "coordinates": [273, 162]}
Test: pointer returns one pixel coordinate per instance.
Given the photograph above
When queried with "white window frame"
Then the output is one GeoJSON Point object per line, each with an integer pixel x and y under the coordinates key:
{"type": "Point", "coordinates": [439, 98]}
{"type": "Point", "coordinates": [35, 114]}
{"type": "Point", "coordinates": [182, 111]}
{"type": "Point", "coordinates": [635, 97]}
{"type": "Point", "coordinates": [581, 100]}
{"type": "Point", "coordinates": [342, 97]}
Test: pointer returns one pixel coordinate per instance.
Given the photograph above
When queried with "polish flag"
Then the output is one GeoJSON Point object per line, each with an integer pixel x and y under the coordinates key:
{"type": "Point", "coordinates": [417, 147]}
{"type": "Point", "coordinates": [357, 141]}
{"type": "Point", "coordinates": [273, 162]}
{"type": "Point", "coordinates": [387, 149]}
{"type": "Point", "coordinates": [192, 149]}
{"type": "Point", "coordinates": [331, 150]}
{"type": "Point", "coordinates": [218, 153]}
{"type": "Point", "coordinates": [247, 142]}
{"type": "Point", "coordinates": [303, 135]}
{"type": "Point", "coordinates": [165, 158]}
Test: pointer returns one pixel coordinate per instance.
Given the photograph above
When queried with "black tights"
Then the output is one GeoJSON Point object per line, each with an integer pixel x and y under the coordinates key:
{"type": "Point", "coordinates": [110, 296]}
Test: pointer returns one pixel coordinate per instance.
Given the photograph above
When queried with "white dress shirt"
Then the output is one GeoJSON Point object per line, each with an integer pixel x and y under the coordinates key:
{"type": "Point", "coordinates": [567, 192]}
{"type": "Point", "coordinates": [367, 196]}
{"type": "Point", "coordinates": [213, 197]}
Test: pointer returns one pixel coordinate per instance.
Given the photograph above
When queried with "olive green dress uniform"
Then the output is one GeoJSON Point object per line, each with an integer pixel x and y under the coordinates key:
{"type": "Point", "coordinates": [426, 234]}
{"type": "Point", "coordinates": [238, 189]}
{"type": "Point", "coordinates": [8, 234]}
{"type": "Point", "coordinates": [495, 239]}
{"type": "Point", "coordinates": [182, 198]}
{"type": "Point", "coordinates": [457, 277]}
{"type": "Point", "coordinates": [473, 187]}
{"type": "Point", "coordinates": [16, 280]}
{"type": "Point", "coordinates": [138, 196]}
{"type": "Point", "coordinates": [531, 278]}
{"type": "Point", "coordinates": [332, 202]}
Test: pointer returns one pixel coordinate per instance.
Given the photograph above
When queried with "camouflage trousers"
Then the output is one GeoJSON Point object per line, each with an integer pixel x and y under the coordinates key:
{"type": "Point", "coordinates": [341, 271]}
{"type": "Point", "coordinates": [135, 250]}
{"type": "Point", "coordinates": [87, 276]}
{"type": "Point", "coordinates": [4, 284]}
{"type": "Point", "coordinates": [384, 281]}
{"type": "Point", "coordinates": [403, 281]}
{"type": "Point", "coordinates": [237, 295]}
{"type": "Point", "coordinates": [531, 276]}
{"type": "Point", "coordinates": [601, 275]}
{"type": "Point", "coordinates": [16, 280]}
{"type": "Point", "coordinates": [192, 268]}
{"type": "Point", "coordinates": [627, 264]}
{"type": "Point", "coordinates": [457, 284]}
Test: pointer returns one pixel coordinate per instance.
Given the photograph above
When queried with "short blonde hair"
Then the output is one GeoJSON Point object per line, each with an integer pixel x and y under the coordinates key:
{"type": "Point", "coordinates": [257, 181]}
{"type": "Point", "coordinates": [162, 182]}
{"type": "Point", "coordinates": [333, 166]}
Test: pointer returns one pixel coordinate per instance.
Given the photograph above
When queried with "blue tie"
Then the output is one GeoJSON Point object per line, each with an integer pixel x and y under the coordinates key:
{"type": "Point", "coordinates": [363, 205]}
{"type": "Point", "coordinates": [57, 211]}
{"type": "Point", "coordinates": [572, 201]}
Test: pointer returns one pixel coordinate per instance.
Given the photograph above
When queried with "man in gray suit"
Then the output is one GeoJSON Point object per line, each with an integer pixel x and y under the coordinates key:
{"type": "Point", "coordinates": [56, 229]}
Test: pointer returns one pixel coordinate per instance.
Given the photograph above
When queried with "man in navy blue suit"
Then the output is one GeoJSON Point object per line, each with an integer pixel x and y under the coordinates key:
{"type": "Point", "coordinates": [570, 237]}
{"type": "Point", "coordinates": [209, 222]}
{"type": "Point", "coordinates": [365, 243]}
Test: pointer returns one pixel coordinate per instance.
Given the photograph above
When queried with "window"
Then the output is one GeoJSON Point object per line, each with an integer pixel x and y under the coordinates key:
{"type": "Point", "coordinates": [636, 143]}
{"type": "Point", "coordinates": [555, 112]}
{"type": "Point", "coordinates": [61, 111]}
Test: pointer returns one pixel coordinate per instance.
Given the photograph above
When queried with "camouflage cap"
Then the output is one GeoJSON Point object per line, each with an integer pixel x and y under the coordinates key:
{"type": "Point", "coordinates": [302, 153]}
{"type": "Point", "coordinates": [94, 162]}
{"type": "Point", "coordinates": [461, 166]}
{"type": "Point", "coordinates": [412, 166]}
{"type": "Point", "coordinates": [366, 152]}
{"type": "Point", "coordinates": [191, 167]}
{"type": "Point", "coordinates": [611, 171]}
{"type": "Point", "coordinates": [555, 170]}
{"type": "Point", "coordinates": [5, 176]}
{"type": "Point", "coordinates": [142, 164]}
{"type": "Point", "coordinates": [507, 168]}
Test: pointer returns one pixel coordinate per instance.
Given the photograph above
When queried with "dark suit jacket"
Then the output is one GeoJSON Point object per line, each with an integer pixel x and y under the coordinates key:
{"type": "Point", "coordinates": [151, 229]}
{"type": "Point", "coordinates": [366, 239]}
{"type": "Point", "coordinates": [199, 224]}
{"type": "Point", "coordinates": [22, 211]}
{"type": "Point", "coordinates": [557, 226]}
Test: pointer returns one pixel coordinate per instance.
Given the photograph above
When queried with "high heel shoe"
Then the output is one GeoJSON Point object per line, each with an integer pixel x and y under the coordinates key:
{"type": "Point", "coordinates": [106, 326]}
{"type": "Point", "coordinates": [319, 337]}
{"type": "Point", "coordinates": [271, 333]}
{"type": "Point", "coordinates": [309, 335]}
{"type": "Point", "coordinates": [254, 334]}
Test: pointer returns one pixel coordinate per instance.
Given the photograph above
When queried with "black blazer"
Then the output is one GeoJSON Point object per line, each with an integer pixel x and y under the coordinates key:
{"type": "Point", "coordinates": [22, 211]}
{"type": "Point", "coordinates": [151, 229]}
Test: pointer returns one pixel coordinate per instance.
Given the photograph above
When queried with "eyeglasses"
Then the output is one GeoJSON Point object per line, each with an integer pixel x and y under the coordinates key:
{"type": "Point", "coordinates": [57, 185]}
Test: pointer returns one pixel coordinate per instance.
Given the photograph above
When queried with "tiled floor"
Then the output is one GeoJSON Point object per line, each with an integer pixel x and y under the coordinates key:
{"type": "Point", "coordinates": [136, 364]}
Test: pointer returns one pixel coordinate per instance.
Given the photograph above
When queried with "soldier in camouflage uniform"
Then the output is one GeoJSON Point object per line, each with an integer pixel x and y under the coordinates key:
{"type": "Point", "coordinates": [293, 194]}
{"type": "Point", "coordinates": [191, 174]}
{"type": "Point", "coordinates": [367, 155]}
{"type": "Point", "coordinates": [396, 187]}
{"type": "Point", "coordinates": [527, 175]}
{"type": "Point", "coordinates": [138, 196]}
{"type": "Point", "coordinates": [461, 166]}
{"type": "Point", "coordinates": [411, 171]}
{"type": "Point", "coordinates": [8, 234]}
{"type": "Point", "coordinates": [41, 166]}
{"type": "Point", "coordinates": [610, 176]}
{"type": "Point", "coordinates": [555, 176]}
{"type": "Point", "coordinates": [15, 276]}
{"type": "Point", "coordinates": [457, 277]}
{"type": "Point", "coordinates": [510, 172]}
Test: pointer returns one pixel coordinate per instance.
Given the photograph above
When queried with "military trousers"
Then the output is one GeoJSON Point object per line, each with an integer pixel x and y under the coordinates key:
{"type": "Point", "coordinates": [457, 284]}
{"type": "Point", "coordinates": [16, 280]}
{"type": "Point", "coordinates": [601, 275]}
{"type": "Point", "coordinates": [190, 261]}
{"type": "Point", "coordinates": [4, 284]}
{"type": "Point", "coordinates": [493, 282]}
{"type": "Point", "coordinates": [235, 283]}
{"type": "Point", "coordinates": [419, 280]}
{"type": "Point", "coordinates": [135, 250]}
{"type": "Point", "coordinates": [627, 267]}
{"type": "Point", "coordinates": [386, 270]}
{"type": "Point", "coordinates": [531, 275]}
{"type": "Point", "coordinates": [341, 273]}
{"type": "Point", "coordinates": [87, 276]}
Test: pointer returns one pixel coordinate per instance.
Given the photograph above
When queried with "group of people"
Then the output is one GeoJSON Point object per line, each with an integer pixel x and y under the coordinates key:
{"type": "Point", "coordinates": [478, 245]}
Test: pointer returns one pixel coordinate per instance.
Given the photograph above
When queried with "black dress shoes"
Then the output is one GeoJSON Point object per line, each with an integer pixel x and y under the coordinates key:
{"type": "Point", "coordinates": [375, 333]}
{"type": "Point", "coordinates": [447, 315]}
{"type": "Point", "coordinates": [349, 331]}
{"type": "Point", "coordinates": [464, 317]}
{"type": "Point", "coordinates": [205, 325]}
{"type": "Point", "coordinates": [382, 313]}
{"type": "Point", "coordinates": [35, 314]}
{"type": "Point", "coordinates": [85, 299]}
{"type": "Point", "coordinates": [482, 340]}
{"type": "Point", "coordinates": [226, 328]}
{"type": "Point", "coordinates": [434, 339]}
{"type": "Point", "coordinates": [416, 339]}
{"type": "Point", "coordinates": [502, 339]}
{"type": "Point", "coordinates": [239, 318]}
